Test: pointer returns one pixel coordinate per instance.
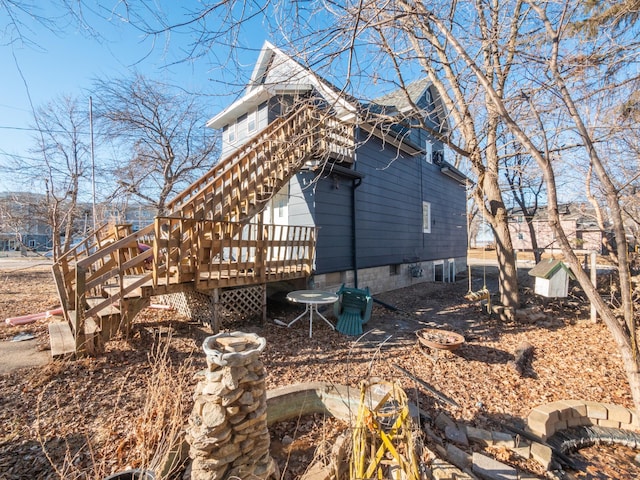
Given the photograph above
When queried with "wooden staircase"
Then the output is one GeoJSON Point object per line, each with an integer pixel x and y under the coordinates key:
{"type": "Point", "coordinates": [207, 241]}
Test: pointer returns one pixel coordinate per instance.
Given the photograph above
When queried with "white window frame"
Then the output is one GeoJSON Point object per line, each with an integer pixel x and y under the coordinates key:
{"type": "Point", "coordinates": [436, 264]}
{"type": "Point", "coordinates": [451, 269]}
{"type": "Point", "coordinates": [428, 151]}
{"type": "Point", "coordinates": [232, 133]}
{"type": "Point", "coordinates": [426, 217]}
{"type": "Point", "coordinates": [252, 118]}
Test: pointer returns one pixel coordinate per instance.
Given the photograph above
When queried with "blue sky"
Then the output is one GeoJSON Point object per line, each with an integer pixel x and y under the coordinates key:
{"type": "Point", "coordinates": [67, 61]}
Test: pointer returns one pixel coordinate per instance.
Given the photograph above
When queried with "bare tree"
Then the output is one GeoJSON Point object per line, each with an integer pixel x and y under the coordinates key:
{"type": "Point", "coordinates": [160, 131]}
{"type": "Point", "coordinates": [519, 64]}
{"type": "Point", "coordinates": [58, 168]}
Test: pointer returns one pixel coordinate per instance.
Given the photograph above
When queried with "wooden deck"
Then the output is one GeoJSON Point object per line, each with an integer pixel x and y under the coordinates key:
{"type": "Point", "coordinates": [208, 240]}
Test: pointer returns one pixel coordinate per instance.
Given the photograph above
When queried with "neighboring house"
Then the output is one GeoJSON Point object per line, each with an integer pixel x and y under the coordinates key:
{"type": "Point", "coordinates": [22, 222]}
{"type": "Point", "coordinates": [577, 220]}
{"type": "Point", "coordinates": [393, 214]}
{"type": "Point", "coordinates": [134, 214]}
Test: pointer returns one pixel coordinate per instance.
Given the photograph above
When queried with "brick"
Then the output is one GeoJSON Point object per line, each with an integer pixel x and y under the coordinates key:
{"type": "Point", "coordinates": [542, 454]}
{"type": "Point", "coordinates": [596, 411]}
{"type": "Point", "coordinates": [478, 435]}
{"type": "Point", "coordinates": [619, 414]}
{"type": "Point", "coordinates": [489, 468]}
{"type": "Point", "coordinates": [443, 421]}
{"type": "Point", "coordinates": [634, 425]}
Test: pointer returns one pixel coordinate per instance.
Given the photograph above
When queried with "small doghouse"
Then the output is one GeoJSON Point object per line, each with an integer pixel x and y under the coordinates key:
{"type": "Point", "coordinates": [552, 278]}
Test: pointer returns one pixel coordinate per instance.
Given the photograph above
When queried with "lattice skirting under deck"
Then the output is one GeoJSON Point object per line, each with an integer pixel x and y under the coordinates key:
{"type": "Point", "coordinates": [216, 307]}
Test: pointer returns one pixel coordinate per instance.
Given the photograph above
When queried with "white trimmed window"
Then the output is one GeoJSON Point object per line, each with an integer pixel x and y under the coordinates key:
{"type": "Point", "coordinates": [251, 121]}
{"type": "Point", "coordinates": [229, 132]}
{"type": "Point", "coordinates": [428, 151]}
{"type": "Point", "coordinates": [426, 217]}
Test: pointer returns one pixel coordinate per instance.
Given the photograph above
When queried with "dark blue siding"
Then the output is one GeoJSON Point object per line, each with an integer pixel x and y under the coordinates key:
{"type": "Point", "coordinates": [334, 215]}
{"type": "Point", "coordinates": [388, 211]}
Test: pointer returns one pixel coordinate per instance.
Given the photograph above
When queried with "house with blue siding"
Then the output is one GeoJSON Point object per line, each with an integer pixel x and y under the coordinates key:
{"type": "Point", "coordinates": [391, 215]}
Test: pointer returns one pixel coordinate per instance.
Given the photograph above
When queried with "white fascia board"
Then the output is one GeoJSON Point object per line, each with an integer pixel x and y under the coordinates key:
{"type": "Point", "coordinates": [245, 103]}
{"type": "Point", "coordinates": [252, 100]}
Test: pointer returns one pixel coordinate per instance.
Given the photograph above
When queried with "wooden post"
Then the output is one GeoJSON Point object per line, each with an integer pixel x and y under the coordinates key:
{"type": "Point", "coordinates": [216, 310]}
{"type": "Point", "coordinates": [594, 280]}
{"type": "Point", "coordinates": [78, 320]}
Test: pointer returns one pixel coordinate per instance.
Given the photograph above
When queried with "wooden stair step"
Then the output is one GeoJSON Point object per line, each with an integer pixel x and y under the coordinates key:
{"type": "Point", "coordinates": [108, 311]}
{"type": "Point", "coordinates": [61, 339]}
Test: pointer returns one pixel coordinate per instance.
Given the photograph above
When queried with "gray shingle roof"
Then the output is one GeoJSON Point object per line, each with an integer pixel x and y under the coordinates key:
{"type": "Point", "coordinates": [398, 98]}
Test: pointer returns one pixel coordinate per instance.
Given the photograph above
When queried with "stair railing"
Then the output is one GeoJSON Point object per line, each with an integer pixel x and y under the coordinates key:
{"type": "Point", "coordinates": [187, 249]}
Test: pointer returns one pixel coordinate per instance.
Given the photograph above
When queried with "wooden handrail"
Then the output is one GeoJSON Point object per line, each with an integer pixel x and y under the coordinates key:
{"type": "Point", "coordinates": [190, 244]}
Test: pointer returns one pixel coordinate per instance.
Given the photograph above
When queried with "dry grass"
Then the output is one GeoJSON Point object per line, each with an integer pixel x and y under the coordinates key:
{"type": "Point", "coordinates": [155, 435]}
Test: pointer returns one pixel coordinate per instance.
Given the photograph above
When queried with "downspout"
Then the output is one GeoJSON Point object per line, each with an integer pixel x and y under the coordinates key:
{"type": "Point", "coordinates": [355, 184]}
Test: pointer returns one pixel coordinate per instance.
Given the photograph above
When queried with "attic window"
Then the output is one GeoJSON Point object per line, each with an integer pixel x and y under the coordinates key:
{"type": "Point", "coordinates": [229, 132]}
{"type": "Point", "coordinates": [251, 121]}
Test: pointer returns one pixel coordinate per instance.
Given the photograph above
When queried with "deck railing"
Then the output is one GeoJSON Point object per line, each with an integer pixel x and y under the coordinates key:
{"type": "Point", "coordinates": [207, 238]}
{"type": "Point", "coordinates": [209, 253]}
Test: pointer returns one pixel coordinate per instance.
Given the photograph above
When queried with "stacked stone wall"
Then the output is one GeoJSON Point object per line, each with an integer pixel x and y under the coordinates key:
{"type": "Point", "coordinates": [227, 430]}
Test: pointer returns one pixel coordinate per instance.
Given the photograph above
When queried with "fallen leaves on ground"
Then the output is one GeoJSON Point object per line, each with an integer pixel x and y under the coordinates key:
{"type": "Point", "coordinates": [73, 417]}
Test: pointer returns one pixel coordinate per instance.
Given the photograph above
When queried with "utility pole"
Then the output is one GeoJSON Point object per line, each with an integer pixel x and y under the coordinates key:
{"type": "Point", "coordinates": [93, 163]}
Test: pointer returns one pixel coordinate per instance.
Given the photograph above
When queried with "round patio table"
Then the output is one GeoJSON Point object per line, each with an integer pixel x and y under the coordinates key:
{"type": "Point", "coordinates": [311, 299]}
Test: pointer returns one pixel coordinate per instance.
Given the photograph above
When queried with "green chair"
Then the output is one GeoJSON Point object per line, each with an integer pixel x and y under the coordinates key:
{"type": "Point", "coordinates": [353, 309]}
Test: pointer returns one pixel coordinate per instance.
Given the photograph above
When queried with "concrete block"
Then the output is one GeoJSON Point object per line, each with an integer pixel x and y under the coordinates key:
{"type": "Point", "coordinates": [458, 457]}
{"type": "Point", "coordinates": [596, 410]}
{"type": "Point", "coordinates": [549, 409]}
{"type": "Point", "coordinates": [572, 408]}
{"type": "Point", "coordinates": [634, 424]}
{"type": "Point", "coordinates": [489, 468]}
{"type": "Point", "coordinates": [542, 454]}
{"type": "Point", "coordinates": [443, 420]}
{"type": "Point", "coordinates": [522, 452]}
{"type": "Point", "coordinates": [541, 422]}
{"type": "Point", "coordinates": [579, 421]}
{"type": "Point", "coordinates": [478, 435]}
{"type": "Point", "coordinates": [441, 470]}
{"type": "Point", "coordinates": [608, 423]}
{"type": "Point", "coordinates": [619, 414]}
{"type": "Point", "coordinates": [505, 439]}
{"type": "Point", "coordinates": [560, 425]}
{"type": "Point", "coordinates": [456, 435]}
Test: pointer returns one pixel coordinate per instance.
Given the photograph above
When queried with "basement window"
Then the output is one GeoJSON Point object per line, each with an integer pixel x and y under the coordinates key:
{"type": "Point", "coordinates": [394, 269]}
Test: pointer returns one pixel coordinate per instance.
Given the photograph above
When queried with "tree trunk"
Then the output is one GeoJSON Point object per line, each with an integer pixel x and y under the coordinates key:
{"type": "Point", "coordinates": [537, 254]}
{"type": "Point", "coordinates": [507, 271]}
